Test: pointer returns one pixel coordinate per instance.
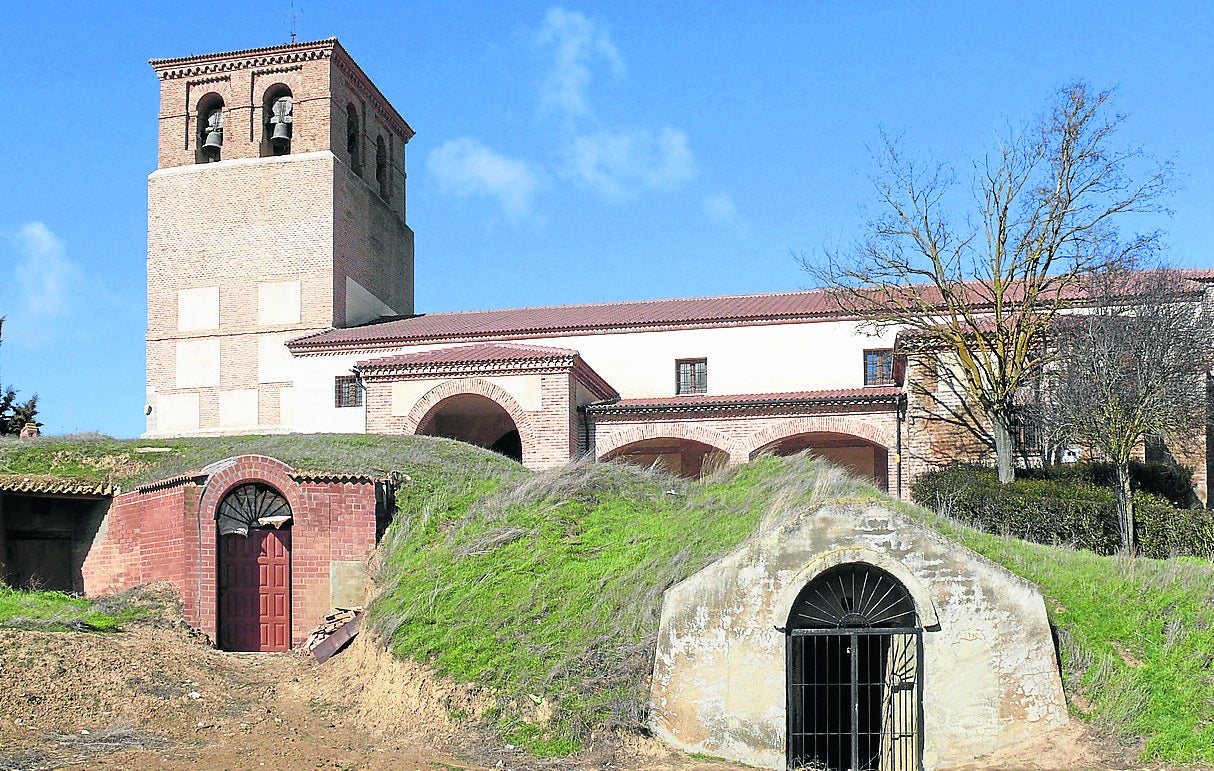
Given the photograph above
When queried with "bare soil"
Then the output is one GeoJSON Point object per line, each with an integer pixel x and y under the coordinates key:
{"type": "Point", "coordinates": [158, 696]}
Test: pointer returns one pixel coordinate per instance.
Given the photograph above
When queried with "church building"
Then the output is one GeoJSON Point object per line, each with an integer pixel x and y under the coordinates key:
{"type": "Point", "coordinates": [280, 299]}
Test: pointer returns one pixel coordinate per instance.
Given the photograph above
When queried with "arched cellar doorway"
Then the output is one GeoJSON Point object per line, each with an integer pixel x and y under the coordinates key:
{"type": "Point", "coordinates": [254, 570]}
{"type": "Point", "coordinates": [862, 457]}
{"type": "Point", "coordinates": [474, 419]}
{"type": "Point", "coordinates": [855, 676]}
{"type": "Point", "coordinates": [682, 457]}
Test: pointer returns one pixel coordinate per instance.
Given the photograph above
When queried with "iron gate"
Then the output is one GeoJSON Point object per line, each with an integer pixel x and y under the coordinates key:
{"type": "Point", "coordinates": [854, 699]}
{"type": "Point", "coordinates": [855, 674]}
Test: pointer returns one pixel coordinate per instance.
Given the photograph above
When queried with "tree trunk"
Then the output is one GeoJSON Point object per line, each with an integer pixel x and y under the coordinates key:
{"type": "Point", "coordinates": [1125, 507]}
{"type": "Point", "coordinates": [1005, 448]}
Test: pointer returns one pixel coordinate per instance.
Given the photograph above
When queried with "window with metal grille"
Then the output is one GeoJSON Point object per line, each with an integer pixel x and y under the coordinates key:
{"type": "Point", "coordinates": [691, 376]}
{"type": "Point", "coordinates": [879, 367]}
{"type": "Point", "coordinates": [346, 392]}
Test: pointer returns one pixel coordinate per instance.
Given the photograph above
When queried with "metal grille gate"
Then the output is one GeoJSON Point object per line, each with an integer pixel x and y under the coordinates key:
{"type": "Point", "coordinates": [854, 699]}
{"type": "Point", "coordinates": [855, 674]}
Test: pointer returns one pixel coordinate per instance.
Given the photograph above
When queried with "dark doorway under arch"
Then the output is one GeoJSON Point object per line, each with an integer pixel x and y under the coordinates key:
{"type": "Point", "coordinates": [854, 694]}
{"type": "Point", "coordinates": [474, 419]}
{"type": "Point", "coordinates": [682, 457]}
{"type": "Point", "coordinates": [860, 456]}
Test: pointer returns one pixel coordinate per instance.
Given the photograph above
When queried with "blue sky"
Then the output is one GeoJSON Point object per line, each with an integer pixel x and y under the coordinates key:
{"type": "Point", "coordinates": [565, 153]}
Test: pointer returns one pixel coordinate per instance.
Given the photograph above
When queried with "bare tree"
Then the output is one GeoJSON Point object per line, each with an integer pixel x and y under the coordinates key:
{"type": "Point", "coordinates": [985, 286]}
{"type": "Point", "coordinates": [1133, 368]}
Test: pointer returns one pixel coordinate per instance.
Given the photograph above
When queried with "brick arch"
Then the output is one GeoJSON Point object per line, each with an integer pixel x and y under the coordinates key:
{"type": "Point", "coordinates": [819, 424]}
{"type": "Point", "coordinates": [245, 469]}
{"type": "Point", "coordinates": [692, 433]}
{"type": "Point", "coordinates": [478, 387]}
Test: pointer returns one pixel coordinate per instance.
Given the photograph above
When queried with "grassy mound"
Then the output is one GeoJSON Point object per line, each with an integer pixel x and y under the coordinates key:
{"type": "Point", "coordinates": [131, 462]}
{"type": "Point", "coordinates": [58, 612]}
{"type": "Point", "coordinates": [548, 589]}
{"type": "Point", "coordinates": [1137, 639]}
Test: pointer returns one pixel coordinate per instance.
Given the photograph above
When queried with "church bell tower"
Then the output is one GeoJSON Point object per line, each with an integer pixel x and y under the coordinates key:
{"type": "Point", "coordinates": [277, 209]}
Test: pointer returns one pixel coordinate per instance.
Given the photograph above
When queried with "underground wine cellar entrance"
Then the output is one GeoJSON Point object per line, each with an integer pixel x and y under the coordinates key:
{"type": "Point", "coordinates": [854, 674]}
{"type": "Point", "coordinates": [850, 635]}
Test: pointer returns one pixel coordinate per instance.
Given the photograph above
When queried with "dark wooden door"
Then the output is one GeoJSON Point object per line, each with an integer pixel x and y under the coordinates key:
{"type": "Point", "coordinates": [255, 591]}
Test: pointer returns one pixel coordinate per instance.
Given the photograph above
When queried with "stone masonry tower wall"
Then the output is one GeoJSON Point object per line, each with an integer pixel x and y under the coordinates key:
{"type": "Point", "coordinates": [277, 209]}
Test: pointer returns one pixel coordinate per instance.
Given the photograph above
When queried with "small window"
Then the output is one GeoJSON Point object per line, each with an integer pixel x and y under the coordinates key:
{"type": "Point", "coordinates": [346, 392]}
{"type": "Point", "coordinates": [879, 367]}
{"type": "Point", "coordinates": [381, 167]}
{"type": "Point", "coordinates": [352, 139]}
{"type": "Point", "coordinates": [691, 376]}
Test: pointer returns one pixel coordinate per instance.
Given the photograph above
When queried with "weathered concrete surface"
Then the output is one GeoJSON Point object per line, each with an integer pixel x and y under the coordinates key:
{"type": "Point", "coordinates": [990, 673]}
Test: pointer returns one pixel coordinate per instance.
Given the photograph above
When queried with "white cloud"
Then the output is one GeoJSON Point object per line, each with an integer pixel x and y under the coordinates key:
{"type": "Point", "coordinates": [464, 167]}
{"type": "Point", "coordinates": [619, 163]}
{"type": "Point", "coordinates": [577, 43]}
{"type": "Point", "coordinates": [46, 278]}
{"type": "Point", "coordinates": [721, 207]}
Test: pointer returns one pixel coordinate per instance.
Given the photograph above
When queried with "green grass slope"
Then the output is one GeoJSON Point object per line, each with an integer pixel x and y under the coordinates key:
{"type": "Point", "coordinates": [547, 590]}
{"type": "Point", "coordinates": [131, 462]}
{"type": "Point", "coordinates": [1137, 640]}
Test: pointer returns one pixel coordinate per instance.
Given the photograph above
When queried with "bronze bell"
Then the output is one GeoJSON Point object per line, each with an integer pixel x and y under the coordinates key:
{"type": "Point", "coordinates": [214, 135]}
{"type": "Point", "coordinates": [213, 143]}
{"type": "Point", "coordinates": [282, 134]}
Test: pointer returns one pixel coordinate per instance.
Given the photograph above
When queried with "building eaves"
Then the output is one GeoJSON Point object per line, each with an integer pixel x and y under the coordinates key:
{"type": "Point", "coordinates": [48, 485]}
{"type": "Point", "coordinates": [870, 395]}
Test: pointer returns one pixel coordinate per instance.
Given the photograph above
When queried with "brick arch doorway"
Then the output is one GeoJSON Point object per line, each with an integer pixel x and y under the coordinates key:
{"type": "Point", "coordinates": [685, 458]}
{"type": "Point", "coordinates": [862, 457]}
{"type": "Point", "coordinates": [474, 419]}
{"type": "Point", "coordinates": [254, 564]}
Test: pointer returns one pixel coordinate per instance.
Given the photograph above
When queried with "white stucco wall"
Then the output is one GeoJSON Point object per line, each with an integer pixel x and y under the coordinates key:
{"type": "Point", "coordinates": [741, 360]}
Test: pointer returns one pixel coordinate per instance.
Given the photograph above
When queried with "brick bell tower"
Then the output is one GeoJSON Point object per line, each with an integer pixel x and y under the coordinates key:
{"type": "Point", "coordinates": [277, 209]}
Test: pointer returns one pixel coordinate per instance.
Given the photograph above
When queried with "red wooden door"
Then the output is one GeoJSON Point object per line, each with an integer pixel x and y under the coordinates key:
{"type": "Point", "coordinates": [255, 591]}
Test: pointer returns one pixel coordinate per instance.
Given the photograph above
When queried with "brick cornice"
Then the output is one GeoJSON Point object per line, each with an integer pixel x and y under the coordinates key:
{"type": "Point", "coordinates": [208, 64]}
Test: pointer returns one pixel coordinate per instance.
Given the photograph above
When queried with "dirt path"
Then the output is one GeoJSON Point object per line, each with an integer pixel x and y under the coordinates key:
{"type": "Point", "coordinates": [160, 697]}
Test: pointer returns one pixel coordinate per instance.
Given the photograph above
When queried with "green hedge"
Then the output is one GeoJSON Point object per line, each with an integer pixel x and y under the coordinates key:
{"type": "Point", "coordinates": [1069, 508]}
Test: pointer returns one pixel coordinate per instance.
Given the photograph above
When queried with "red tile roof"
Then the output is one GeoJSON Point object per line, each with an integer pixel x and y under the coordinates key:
{"type": "Point", "coordinates": [601, 318]}
{"type": "Point", "coordinates": [471, 354]}
{"type": "Point", "coordinates": [570, 319]}
{"type": "Point", "coordinates": [866, 395]}
{"type": "Point", "coordinates": [492, 356]}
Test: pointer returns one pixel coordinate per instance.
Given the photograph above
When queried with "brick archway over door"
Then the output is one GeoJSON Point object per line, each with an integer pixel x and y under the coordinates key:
{"type": "Point", "coordinates": [605, 445]}
{"type": "Point", "coordinates": [420, 412]}
{"type": "Point", "coordinates": [226, 477]}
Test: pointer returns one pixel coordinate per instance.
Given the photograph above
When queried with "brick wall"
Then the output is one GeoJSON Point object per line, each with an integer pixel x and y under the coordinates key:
{"type": "Point", "coordinates": [170, 535]}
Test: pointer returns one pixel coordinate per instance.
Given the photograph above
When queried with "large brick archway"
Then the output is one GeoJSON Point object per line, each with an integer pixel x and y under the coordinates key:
{"type": "Point", "coordinates": [606, 445]}
{"type": "Point", "coordinates": [422, 412]}
{"type": "Point", "coordinates": [819, 424]}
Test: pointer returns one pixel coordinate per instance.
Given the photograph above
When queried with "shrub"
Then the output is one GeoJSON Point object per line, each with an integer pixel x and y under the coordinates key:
{"type": "Point", "coordinates": [1070, 507]}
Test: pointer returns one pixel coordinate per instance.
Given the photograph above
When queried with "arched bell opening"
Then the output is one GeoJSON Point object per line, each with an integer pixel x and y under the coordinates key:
{"type": "Point", "coordinates": [278, 121]}
{"type": "Point", "coordinates": [474, 419]}
{"type": "Point", "coordinates": [854, 673]}
{"type": "Point", "coordinates": [353, 140]}
{"type": "Point", "coordinates": [685, 458]}
{"type": "Point", "coordinates": [254, 561]}
{"type": "Point", "coordinates": [209, 140]}
{"type": "Point", "coordinates": [382, 177]}
{"type": "Point", "coordinates": [863, 458]}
